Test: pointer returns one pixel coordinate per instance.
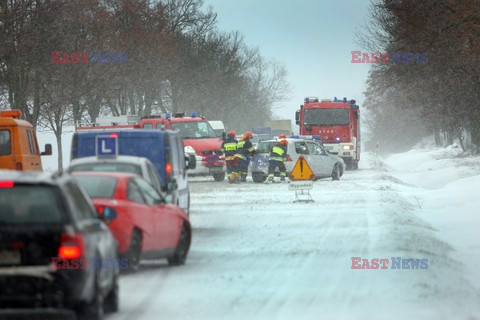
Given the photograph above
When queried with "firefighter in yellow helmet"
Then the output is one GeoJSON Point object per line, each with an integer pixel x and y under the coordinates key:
{"type": "Point", "coordinates": [229, 147]}
{"type": "Point", "coordinates": [278, 154]}
{"type": "Point", "coordinates": [245, 148]}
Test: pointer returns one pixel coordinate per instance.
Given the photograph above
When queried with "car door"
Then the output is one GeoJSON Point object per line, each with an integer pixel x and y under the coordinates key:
{"type": "Point", "coordinates": [318, 161]}
{"type": "Point", "coordinates": [141, 213]}
{"type": "Point", "coordinates": [301, 148]}
{"type": "Point", "coordinates": [99, 241]}
{"type": "Point", "coordinates": [165, 220]}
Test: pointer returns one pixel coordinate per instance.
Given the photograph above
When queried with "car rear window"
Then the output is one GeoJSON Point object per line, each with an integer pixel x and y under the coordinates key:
{"type": "Point", "coordinates": [265, 147]}
{"type": "Point", "coordinates": [5, 143]}
{"type": "Point", "coordinates": [108, 167]}
{"type": "Point", "coordinates": [30, 204]}
{"type": "Point", "coordinates": [97, 186]}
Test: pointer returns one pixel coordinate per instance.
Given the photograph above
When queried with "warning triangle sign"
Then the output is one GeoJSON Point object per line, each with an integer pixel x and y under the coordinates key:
{"type": "Point", "coordinates": [302, 171]}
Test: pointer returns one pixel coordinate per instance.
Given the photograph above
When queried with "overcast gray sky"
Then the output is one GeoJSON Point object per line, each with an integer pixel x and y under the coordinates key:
{"type": "Point", "coordinates": [312, 38]}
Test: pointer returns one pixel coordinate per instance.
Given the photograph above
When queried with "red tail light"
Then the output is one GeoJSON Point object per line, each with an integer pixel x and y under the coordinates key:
{"type": "Point", "coordinates": [6, 184]}
{"type": "Point", "coordinates": [168, 168]}
{"type": "Point", "coordinates": [19, 166]}
{"type": "Point", "coordinates": [289, 159]}
{"type": "Point", "coordinates": [71, 246]}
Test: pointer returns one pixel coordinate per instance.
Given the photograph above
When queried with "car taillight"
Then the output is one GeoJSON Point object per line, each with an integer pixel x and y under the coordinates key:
{"type": "Point", "coordinates": [168, 168]}
{"type": "Point", "coordinates": [71, 246]}
{"type": "Point", "coordinates": [6, 184]}
{"type": "Point", "coordinates": [289, 159]}
{"type": "Point", "coordinates": [19, 166]}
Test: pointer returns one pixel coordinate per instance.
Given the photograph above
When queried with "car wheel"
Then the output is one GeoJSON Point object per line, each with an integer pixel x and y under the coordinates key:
{"type": "Point", "coordinates": [258, 177]}
{"type": "Point", "coordinates": [181, 251]}
{"type": "Point", "coordinates": [94, 309]}
{"type": "Point", "coordinates": [219, 176]}
{"type": "Point", "coordinates": [112, 300]}
{"type": "Point", "coordinates": [336, 172]}
{"type": "Point", "coordinates": [134, 251]}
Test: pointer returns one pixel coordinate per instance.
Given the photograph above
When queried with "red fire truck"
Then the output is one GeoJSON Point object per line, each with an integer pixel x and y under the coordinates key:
{"type": "Point", "coordinates": [199, 138]}
{"type": "Point", "coordinates": [337, 122]}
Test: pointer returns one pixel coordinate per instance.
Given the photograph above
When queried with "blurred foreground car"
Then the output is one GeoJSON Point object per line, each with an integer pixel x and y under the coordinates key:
{"type": "Point", "coordinates": [322, 163]}
{"type": "Point", "coordinates": [145, 226]}
{"type": "Point", "coordinates": [43, 218]}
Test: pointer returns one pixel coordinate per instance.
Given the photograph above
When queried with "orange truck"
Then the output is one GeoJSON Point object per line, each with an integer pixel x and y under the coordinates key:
{"type": "Point", "coordinates": [18, 143]}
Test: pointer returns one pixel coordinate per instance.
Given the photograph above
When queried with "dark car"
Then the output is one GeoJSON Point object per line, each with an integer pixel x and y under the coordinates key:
{"type": "Point", "coordinates": [53, 248]}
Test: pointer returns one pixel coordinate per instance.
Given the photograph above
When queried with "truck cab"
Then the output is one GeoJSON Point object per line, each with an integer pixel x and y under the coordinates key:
{"type": "Point", "coordinates": [337, 122]}
{"type": "Point", "coordinates": [18, 143]}
{"type": "Point", "coordinates": [199, 139]}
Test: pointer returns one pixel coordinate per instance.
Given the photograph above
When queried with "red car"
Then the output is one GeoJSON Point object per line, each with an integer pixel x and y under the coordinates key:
{"type": "Point", "coordinates": [145, 226]}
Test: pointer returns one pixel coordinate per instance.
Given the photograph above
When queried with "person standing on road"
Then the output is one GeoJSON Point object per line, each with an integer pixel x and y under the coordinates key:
{"type": "Point", "coordinates": [278, 154]}
{"type": "Point", "coordinates": [245, 148]}
{"type": "Point", "coordinates": [229, 146]}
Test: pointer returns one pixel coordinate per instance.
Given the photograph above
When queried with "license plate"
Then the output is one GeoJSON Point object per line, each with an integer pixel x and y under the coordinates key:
{"type": "Point", "coordinates": [329, 147]}
{"type": "Point", "coordinates": [215, 169]}
{"type": "Point", "coordinates": [9, 257]}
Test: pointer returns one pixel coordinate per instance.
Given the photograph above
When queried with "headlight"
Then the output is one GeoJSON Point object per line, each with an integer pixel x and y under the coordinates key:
{"type": "Point", "coordinates": [348, 147]}
{"type": "Point", "coordinates": [189, 150]}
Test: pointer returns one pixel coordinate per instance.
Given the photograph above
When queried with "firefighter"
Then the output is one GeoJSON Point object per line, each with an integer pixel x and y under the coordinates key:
{"type": "Point", "coordinates": [229, 146]}
{"type": "Point", "coordinates": [278, 154]}
{"type": "Point", "coordinates": [245, 148]}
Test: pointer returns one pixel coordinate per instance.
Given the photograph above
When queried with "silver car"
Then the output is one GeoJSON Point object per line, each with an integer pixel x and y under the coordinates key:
{"type": "Point", "coordinates": [137, 165]}
{"type": "Point", "coordinates": [321, 162]}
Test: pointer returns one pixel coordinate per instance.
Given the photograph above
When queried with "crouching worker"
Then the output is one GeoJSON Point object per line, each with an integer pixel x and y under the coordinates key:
{"type": "Point", "coordinates": [229, 147]}
{"type": "Point", "coordinates": [278, 155]}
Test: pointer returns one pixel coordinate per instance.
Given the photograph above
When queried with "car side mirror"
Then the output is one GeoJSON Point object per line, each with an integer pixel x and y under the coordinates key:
{"type": "Point", "coordinates": [48, 150]}
{"type": "Point", "coordinates": [297, 117]}
{"type": "Point", "coordinates": [191, 162]}
{"type": "Point", "coordinates": [224, 136]}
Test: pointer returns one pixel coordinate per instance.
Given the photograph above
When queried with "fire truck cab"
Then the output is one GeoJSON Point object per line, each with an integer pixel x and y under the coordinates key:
{"type": "Point", "coordinates": [337, 122]}
{"type": "Point", "coordinates": [199, 139]}
{"type": "Point", "coordinates": [18, 143]}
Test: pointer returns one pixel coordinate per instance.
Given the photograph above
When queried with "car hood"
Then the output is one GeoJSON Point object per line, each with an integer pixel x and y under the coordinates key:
{"type": "Point", "coordinates": [201, 145]}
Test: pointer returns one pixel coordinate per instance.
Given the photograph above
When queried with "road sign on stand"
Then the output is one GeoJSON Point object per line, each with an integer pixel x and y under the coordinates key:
{"type": "Point", "coordinates": [301, 180]}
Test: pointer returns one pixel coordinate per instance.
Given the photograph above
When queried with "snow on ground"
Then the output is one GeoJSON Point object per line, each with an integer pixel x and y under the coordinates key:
{"type": "Point", "coordinates": [257, 255]}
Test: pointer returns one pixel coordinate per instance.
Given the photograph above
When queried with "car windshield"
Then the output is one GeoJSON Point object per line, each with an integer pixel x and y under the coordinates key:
{"type": "Point", "coordinates": [98, 186]}
{"type": "Point", "coordinates": [30, 204]}
{"type": "Point", "coordinates": [265, 146]}
{"type": "Point", "coordinates": [107, 167]}
{"type": "Point", "coordinates": [194, 129]}
{"type": "Point", "coordinates": [326, 117]}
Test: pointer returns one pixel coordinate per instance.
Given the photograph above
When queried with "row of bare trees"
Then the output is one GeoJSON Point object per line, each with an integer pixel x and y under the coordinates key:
{"type": "Point", "coordinates": [178, 61]}
{"type": "Point", "coordinates": [408, 101]}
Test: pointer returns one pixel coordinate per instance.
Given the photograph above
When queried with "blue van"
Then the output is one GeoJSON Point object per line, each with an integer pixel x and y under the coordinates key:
{"type": "Point", "coordinates": [164, 148]}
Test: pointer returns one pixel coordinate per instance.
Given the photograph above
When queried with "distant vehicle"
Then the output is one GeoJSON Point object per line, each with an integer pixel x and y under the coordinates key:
{"type": "Point", "coordinates": [337, 122]}
{"type": "Point", "coordinates": [46, 218]}
{"type": "Point", "coordinates": [164, 148]}
{"type": "Point", "coordinates": [18, 143]}
{"type": "Point", "coordinates": [280, 127]}
{"type": "Point", "coordinates": [218, 127]}
{"type": "Point", "coordinates": [200, 141]}
{"type": "Point", "coordinates": [263, 133]}
{"type": "Point", "coordinates": [129, 164]}
{"type": "Point", "coordinates": [145, 227]}
{"type": "Point", "coordinates": [322, 163]}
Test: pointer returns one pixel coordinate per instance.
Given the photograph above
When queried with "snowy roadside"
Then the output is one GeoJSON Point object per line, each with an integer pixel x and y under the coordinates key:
{"type": "Point", "coordinates": [448, 198]}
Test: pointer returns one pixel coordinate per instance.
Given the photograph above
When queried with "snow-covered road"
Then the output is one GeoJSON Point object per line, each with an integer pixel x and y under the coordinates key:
{"type": "Point", "coordinates": [257, 255]}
